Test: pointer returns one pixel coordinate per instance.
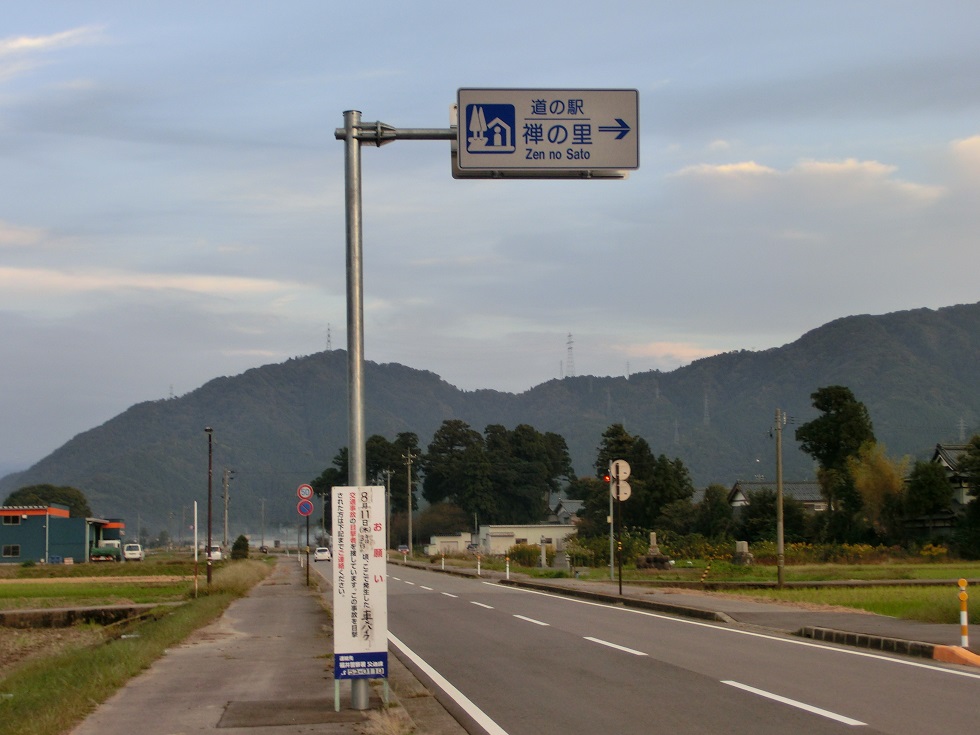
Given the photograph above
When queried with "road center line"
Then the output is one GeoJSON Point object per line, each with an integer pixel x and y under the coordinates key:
{"type": "Point", "coordinates": [532, 620]}
{"type": "Point", "coordinates": [794, 703]}
{"type": "Point", "coordinates": [480, 604]}
{"type": "Point", "coordinates": [448, 594]}
{"type": "Point", "coordinates": [614, 645]}
{"type": "Point", "coordinates": [411, 583]}
{"type": "Point", "coordinates": [425, 588]}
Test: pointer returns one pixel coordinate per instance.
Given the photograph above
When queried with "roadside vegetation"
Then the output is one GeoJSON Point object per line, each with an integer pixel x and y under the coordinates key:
{"type": "Point", "coordinates": [36, 594]}
{"type": "Point", "coordinates": [47, 694]}
{"type": "Point", "coordinates": [924, 604]}
{"type": "Point", "coordinates": [931, 597]}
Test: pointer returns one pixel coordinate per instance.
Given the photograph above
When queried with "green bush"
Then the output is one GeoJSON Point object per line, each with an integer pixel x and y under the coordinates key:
{"type": "Point", "coordinates": [594, 550]}
{"type": "Point", "coordinates": [695, 546]}
{"type": "Point", "coordinates": [239, 549]}
{"type": "Point", "coordinates": [527, 555]}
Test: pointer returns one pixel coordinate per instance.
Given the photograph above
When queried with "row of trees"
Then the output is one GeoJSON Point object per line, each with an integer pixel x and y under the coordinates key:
{"type": "Point", "coordinates": [500, 476]}
{"type": "Point", "coordinates": [872, 497]}
{"type": "Point", "coordinates": [507, 476]}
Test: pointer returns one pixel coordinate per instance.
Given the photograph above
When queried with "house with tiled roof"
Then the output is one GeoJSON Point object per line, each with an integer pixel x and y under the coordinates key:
{"type": "Point", "coordinates": [948, 455]}
{"type": "Point", "coordinates": [806, 492]}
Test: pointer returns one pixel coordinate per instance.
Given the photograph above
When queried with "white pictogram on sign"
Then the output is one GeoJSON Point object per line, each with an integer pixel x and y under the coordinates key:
{"type": "Point", "coordinates": [490, 128]}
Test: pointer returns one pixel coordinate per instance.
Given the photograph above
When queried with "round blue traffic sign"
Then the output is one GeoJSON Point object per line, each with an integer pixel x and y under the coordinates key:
{"type": "Point", "coordinates": [305, 507]}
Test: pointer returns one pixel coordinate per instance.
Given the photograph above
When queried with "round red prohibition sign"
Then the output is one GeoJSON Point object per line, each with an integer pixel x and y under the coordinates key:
{"type": "Point", "coordinates": [305, 507]}
{"type": "Point", "coordinates": [304, 492]}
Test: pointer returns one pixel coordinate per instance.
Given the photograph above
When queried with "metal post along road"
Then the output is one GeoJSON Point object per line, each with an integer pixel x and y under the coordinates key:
{"type": "Point", "coordinates": [586, 130]}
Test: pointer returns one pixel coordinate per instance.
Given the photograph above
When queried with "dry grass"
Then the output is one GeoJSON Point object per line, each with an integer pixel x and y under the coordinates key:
{"type": "Point", "coordinates": [17, 647]}
{"type": "Point", "coordinates": [394, 721]}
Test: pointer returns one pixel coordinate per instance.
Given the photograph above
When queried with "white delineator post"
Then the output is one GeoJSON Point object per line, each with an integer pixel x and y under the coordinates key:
{"type": "Point", "coordinates": [964, 618]}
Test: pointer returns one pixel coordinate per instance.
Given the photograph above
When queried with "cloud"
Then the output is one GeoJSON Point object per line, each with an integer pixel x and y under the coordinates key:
{"type": "Point", "coordinates": [966, 153]}
{"type": "Point", "coordinates": [20, 54]}
{"type": "Point", "coordinates": [28, 44]}
{"type": "Point", "coordinates": [667, 353]}
{"type": "Point", "coordinates": [47, 280]}
{"type": "Point", "coordinates": [855, 90]}
{"type": "Point", "coordinates": [14, 236]}
{"type": "Point", "coordinates": [745, 168]}
{"type": "Point", "coordinates": [841, 179]}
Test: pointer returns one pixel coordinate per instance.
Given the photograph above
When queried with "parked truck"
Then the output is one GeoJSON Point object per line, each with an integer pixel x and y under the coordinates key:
{"type": "Point", "coordinates": [108, 550]}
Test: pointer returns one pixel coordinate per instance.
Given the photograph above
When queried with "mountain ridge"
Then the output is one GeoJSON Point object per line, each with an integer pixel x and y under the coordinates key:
{"type": "Point", "coordinates": [280, 425]}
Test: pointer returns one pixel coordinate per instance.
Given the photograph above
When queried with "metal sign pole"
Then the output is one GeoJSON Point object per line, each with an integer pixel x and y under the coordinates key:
{"type": "Point", "coordinates": [619, 538]}
{"type": "Point", "coordinates": [353, 134]}
{"type": "Point", "coordinates": [357, 467]}
{"type": "Point", "coordinates": [612, 539]}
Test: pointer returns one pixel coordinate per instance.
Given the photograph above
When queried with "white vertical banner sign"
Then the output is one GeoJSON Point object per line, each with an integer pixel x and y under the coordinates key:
{"type": "Point", "coordinates": [360, 583]}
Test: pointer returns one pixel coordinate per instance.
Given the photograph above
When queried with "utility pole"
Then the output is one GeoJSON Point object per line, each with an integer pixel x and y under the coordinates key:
{"type": "Point", "coordinates": [387, 473]}
{"type": "Point", "coordinates": [780, 546]}
{"type": "Point", "coordinates": [411, 497]}
{"type": "Point", "coordinates": [225, 479]}
{"type": "Point", "coordinates": [209, 431]}
{"type": "Point", "coordinates": [263, 522]}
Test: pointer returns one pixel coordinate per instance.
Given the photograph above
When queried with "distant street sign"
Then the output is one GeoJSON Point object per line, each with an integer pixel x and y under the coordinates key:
{"type": "Point", "coordinates": [305, 507]}
{"type": "Point", "coordinates": [304, 492]}
{"type": "Point", "coordinates": [621, 490]}
{"type": "Point", "coordinates": [540, 132]}
{"type": "Point", "coordinates": [621, 469]}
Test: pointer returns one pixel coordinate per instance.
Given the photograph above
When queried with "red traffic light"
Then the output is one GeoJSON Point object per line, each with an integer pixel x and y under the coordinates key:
{"type": "Point", "coordinates": [606, 478]}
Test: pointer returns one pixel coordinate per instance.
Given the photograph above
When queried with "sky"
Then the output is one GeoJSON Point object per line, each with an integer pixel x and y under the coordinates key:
{"type": "Point", "coordinates": [172, 191]}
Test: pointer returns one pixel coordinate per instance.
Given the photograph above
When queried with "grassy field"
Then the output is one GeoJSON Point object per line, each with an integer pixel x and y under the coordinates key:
{"type": "Point", "coordinates": [43, 594]}
{"type": "Point", "coordinates": [167, 567]}
{"type": "Point", "coordinates": [925, 604]}
{"type": "Point", "coordinates": [47, 694]}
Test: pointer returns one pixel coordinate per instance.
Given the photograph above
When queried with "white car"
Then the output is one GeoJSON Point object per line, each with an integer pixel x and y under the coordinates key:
{"type": "Point", "coordinates": [133, 552]}
{"type": "Point", "coordinates": [322, 553]}
{"type": "Point", "coordinates": [215, 553]}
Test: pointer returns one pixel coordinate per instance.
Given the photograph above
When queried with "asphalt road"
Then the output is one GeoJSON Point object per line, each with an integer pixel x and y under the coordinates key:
{"type": "Point", "coordinates": [528, 662]}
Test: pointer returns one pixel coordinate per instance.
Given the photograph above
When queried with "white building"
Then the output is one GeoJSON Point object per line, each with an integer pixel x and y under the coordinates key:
{"type": "Point", "coordinates": [499, 539]}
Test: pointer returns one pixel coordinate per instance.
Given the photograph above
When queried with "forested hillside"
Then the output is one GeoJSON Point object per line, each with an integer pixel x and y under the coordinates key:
{"type": "Point", "coordinates": [280, 425]}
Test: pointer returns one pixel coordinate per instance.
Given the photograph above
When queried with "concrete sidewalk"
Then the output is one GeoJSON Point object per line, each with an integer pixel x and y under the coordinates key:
{"type": "Point", "coordinates": [264, 668]}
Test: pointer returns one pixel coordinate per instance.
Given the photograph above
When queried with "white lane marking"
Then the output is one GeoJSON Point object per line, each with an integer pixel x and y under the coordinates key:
{"type": "Point", "coordinates": [795, 703]}
{"type": "Point", "coordinates": [411, 583]}
{"type": "Point", "coordinates": [734, 631]}
{"type": "Point", "coordinates": [614, 645]}
{"type": "Point", "coordinates": [480, 604]}
{"type": "Point", "coordinates": [532, 620]}
{"type": "Point", "coordinates": [425, 588]}
{"type": "Point", "coordinates": [448, 594]}
{"type": "Point", "coordinates": [481, 717]}
{"type": "Point", "coordinates": [397, 579]}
